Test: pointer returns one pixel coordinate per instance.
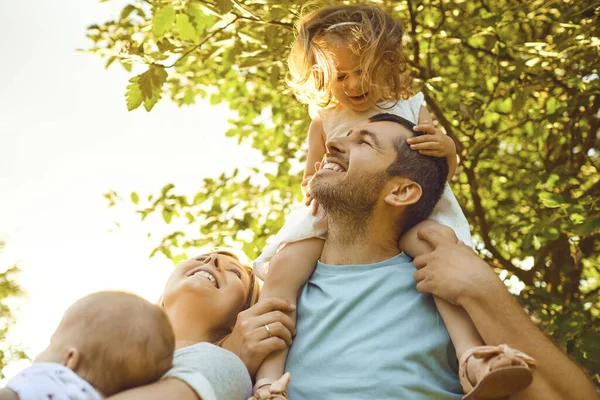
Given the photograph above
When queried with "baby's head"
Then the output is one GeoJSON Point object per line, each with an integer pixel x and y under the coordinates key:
{"type": "Point", "coordinates": [349, 54]}
{"type": "Point", "coordinates": [113, 340]}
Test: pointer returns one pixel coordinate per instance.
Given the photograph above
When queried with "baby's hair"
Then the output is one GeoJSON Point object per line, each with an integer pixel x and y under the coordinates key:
{"type": "Point", "coordinates": [124, 340]}
{"type": "Point", "coordinates": [369, 32]}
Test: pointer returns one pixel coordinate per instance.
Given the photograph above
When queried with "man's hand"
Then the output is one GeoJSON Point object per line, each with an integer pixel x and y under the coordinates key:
{"type": "Point", "coordinates": [453, 271]}
{"type": "Point", "coordinates": [434, 143]}
{"type": "Point", "coordinates": [251, 341]}
{"type": "Point", "coordinates": [274, 391]}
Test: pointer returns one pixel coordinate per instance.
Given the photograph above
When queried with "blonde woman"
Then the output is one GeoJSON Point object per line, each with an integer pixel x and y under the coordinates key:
{"type": "Point", "coordinates": [221, 335]}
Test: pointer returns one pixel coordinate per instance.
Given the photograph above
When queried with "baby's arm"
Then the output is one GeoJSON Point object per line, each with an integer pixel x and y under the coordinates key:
{"type": "Point", "coordinates": [7, 394]}
{"type": "Point", "coordinates": [435, 143]}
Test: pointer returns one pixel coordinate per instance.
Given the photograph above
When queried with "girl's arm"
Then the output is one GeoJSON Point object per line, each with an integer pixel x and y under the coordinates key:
{"type": "Point", "coordinates": [316, 146]}
{"type": "Point", "coordinates": [171, 388]}
{"type": "Point", "coordinates": [435, 143]}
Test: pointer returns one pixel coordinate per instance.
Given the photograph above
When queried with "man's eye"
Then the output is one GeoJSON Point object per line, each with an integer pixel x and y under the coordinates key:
{"type": "Point", "coordinates": [364, 142]}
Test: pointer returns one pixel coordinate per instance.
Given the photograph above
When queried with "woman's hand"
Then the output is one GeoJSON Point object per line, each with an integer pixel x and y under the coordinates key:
{"type": "Point", "coordinates": [434, 143]}
{"type": "Point", "coordinates": [260, 330]}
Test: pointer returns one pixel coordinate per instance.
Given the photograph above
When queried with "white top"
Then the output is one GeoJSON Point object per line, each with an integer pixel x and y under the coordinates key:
{"type": "Point", "coordinates": [213, 372]}
{"type": "Point", "coordinates": [43, 381]}
{"type": "Point", "coordinates": [338, 121]}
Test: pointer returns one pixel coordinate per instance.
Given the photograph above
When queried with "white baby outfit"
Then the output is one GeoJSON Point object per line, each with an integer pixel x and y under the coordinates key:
{"type": "Point", "coordinates": [50, 381]}
{"type": "Point", "coordinates": [337, 122]}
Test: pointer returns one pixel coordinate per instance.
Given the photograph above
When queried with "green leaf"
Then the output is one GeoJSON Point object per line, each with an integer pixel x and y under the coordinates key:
{"type": "Point", "coordinates": [167, 215]}
{"type": "Point", "coordinates": [163, 21]}
{"type": "Point", "coordinates": [135, 198]}
{"type": "Point", "coordinates": [224, 6]}
{"type": "Point", "coordinates": [505, 106]}
{"type": "Point", "coordinates": [184, 28]}
{"type": "Point", "coordinates": [551, 106]}
{"type": "Point", "coordinates": [133, 95]}
{"type": "Point", "coordinates": [146, 88]}
{"type": "Point", "coordinates": [551, 200]}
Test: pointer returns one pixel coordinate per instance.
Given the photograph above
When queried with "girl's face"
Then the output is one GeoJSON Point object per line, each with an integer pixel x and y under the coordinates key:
{"type": "Point", "coordinates": [347, 87]}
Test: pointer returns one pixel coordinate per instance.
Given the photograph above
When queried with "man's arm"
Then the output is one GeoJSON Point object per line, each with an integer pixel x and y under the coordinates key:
{"type": "Point", "coordinates": [455, 273]}
{"type": "Point", "coordinates": [166, 389]}
{"type": "Point", "coordinates": [500, 319]}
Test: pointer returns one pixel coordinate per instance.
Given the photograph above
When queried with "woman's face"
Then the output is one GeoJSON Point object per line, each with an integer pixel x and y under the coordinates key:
{"type": "Point", "coordinates": [212, 286]}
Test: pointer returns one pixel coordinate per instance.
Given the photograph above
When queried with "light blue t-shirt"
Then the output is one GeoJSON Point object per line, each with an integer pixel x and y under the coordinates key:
{"type": "Point", "coordinates": [364, 332]}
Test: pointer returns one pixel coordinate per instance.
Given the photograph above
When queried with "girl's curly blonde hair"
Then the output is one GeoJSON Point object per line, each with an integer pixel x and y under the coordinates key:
{"type": "Point", "coordinates": [369, 32]}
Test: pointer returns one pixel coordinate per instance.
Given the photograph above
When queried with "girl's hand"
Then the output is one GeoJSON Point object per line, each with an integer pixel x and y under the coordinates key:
{"type": "Point", "coordinates": [306, 186]}
{"type": "Point", "coordinates": [434, 143]}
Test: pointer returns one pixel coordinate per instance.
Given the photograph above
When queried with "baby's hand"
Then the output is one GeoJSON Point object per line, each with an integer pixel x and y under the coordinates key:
{"type": "Point", "coordinates": [434, 143]}
{"type": "Point", "coordinates": [274, 391]}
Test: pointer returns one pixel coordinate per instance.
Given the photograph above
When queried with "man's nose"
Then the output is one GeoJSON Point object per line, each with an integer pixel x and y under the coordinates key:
{"type": "Point", "coordinates": [335, 145]}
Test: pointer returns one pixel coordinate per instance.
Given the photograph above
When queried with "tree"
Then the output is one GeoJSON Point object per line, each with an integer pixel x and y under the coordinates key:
{"type": "Point", "coordinates": [514, 83]}
{"type": "Point", "coordinates": [8, 290]}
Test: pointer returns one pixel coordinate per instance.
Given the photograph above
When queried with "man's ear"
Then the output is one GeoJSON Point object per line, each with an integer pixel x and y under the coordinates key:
{"type": "Point", "coordinates": [71, 358]}
{"type": "Point", "coordinates": [402, 192]}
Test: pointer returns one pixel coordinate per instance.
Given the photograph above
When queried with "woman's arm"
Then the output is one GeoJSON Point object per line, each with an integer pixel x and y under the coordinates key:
{"type": "Point", "coordinates": [171, 388]}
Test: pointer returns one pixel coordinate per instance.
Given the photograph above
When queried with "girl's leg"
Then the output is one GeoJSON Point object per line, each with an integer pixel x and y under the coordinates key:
{"type": "Point", "coordinates": [463, 333]}
{"type": "Point", "coordinates": [289, 269]}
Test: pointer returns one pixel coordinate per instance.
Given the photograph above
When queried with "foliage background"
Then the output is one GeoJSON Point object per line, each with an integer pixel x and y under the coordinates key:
{"type": "Point", "coordinates": [8, 291]}
{"type": "Point", "coordinates": [515, 83]}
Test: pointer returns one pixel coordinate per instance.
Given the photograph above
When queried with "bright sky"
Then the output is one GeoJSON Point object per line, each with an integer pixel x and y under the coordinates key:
{"type": "Point", "coordinates": [66, 138]}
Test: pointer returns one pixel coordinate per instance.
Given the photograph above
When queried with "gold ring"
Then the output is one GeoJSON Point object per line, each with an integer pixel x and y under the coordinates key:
{"type": "Point", "coordinates": [268, 330]}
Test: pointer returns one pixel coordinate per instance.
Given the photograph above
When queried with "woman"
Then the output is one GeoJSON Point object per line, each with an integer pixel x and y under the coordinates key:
{"type": "Point", "coordinates": [205, 299]}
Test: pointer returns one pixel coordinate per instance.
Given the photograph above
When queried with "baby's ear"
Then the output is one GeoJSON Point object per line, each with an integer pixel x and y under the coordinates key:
{"type": "Point", "coordinates": [71, 358]}
{"type": "Point", "coordinates": [402, 192]}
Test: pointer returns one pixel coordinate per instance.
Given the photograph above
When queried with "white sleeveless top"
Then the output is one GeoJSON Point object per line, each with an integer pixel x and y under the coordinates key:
{"type": "Point", "coordinates": [338, 121]}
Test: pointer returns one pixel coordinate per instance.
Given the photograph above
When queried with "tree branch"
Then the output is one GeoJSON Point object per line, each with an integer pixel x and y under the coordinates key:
{"type": "Point", "coordinates": [194, 48]}
{"type": "Point", "coordinates": [525, 276]}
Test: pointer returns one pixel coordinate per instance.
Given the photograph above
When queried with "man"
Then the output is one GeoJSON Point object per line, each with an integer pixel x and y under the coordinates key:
{"type": "Point", "coordinates": [364, 332]}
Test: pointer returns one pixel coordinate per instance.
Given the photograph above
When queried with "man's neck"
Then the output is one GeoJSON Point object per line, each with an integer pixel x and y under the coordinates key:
{"type": "Point", "coordinates": [347, 245]}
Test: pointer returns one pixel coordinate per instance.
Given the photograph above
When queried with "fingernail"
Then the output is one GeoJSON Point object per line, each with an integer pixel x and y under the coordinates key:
{"type": "Point", "coordinates": [412, 147]}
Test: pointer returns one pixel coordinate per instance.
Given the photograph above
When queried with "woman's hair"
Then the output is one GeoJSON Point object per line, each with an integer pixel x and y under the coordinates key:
{"type": "Point", "coordinates": [369, 32]}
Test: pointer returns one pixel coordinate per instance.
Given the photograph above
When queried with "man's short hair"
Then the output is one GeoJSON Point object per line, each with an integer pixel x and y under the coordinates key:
{"type": "Point", "coordinates": [429, 172]}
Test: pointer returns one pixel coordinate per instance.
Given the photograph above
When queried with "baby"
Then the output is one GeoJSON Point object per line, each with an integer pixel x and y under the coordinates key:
{"type": "Point", "coordinates": [106, 343]}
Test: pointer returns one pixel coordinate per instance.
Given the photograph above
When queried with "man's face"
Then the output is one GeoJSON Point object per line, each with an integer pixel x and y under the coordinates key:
{"type": "Point", "coordinates": [354, 171]}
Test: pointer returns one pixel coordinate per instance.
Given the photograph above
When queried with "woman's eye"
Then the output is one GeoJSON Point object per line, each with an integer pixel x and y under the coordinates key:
{"type": "Point", "coordinates": [200, 258]}
{"type": "Point", "coordinates": [238, 273]}
{"type": "Point", "coordinates": [341, 78]}
{"type": "Point", "coordinates": [364, 142]}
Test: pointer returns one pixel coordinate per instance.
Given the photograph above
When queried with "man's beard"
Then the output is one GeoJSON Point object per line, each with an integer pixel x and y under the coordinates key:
{"type": "Point", "coordinates": [349, 203]}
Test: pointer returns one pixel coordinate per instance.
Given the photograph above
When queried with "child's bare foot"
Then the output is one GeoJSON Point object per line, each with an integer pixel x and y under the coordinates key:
{"type": "Point", "coordinates": [494, 372]}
